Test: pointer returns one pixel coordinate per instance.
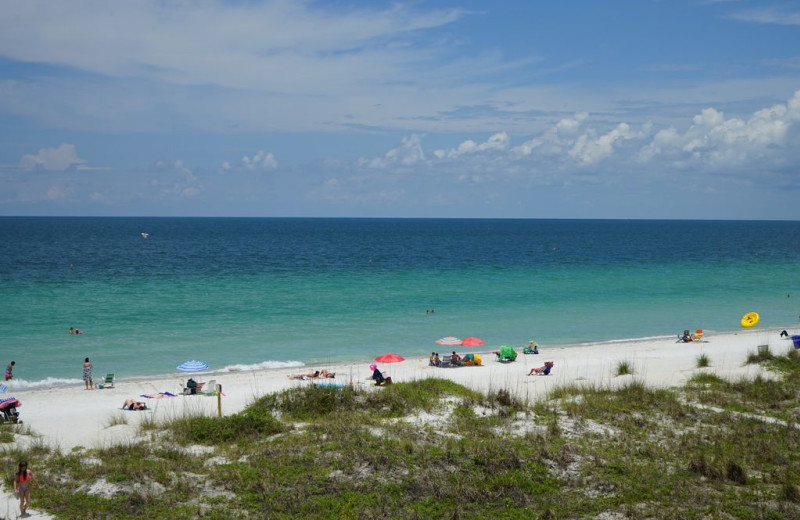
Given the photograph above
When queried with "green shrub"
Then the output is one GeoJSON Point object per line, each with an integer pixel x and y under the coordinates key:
{"type": "Point", "coordinates": [624, 368]}
{"type": "Point", "coordinates": [231, 428]}
{"type": "Point", "coordinates": [763, 354]}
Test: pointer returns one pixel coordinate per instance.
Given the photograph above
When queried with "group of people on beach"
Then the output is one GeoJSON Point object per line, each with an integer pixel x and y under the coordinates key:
{"type": "Point", "coordinates": [435, 361]}
{"type": "Point", "coordinates": [324, 373]}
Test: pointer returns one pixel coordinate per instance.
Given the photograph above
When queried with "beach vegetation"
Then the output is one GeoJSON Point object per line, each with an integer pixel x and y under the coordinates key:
{"type": "Point", "coordinates": [763, 354]}
{"type": "Point", "coordinates": [148, 423]}
{"type": "Point", "coordinates": [703, 361]}
{"type": "Point", "coordinates": [713, 448]}
{"type": "Point", "coordinates": [116, 420]}
{"type": "Point", "coordinates": [624, 368]}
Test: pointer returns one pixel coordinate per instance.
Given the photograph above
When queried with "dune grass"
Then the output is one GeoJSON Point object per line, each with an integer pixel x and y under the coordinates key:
{"type": "Point", "coordinates": [435, 449]}
{"type": "Point", "coordinates": [624, 368]}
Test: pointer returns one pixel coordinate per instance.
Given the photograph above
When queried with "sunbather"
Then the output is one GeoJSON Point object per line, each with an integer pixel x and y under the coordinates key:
{"type": "Point", "coordinates": [324, 373]}
{"type": "Point", "coordinates": [543, 370]}
{"type": "Point", "coordinates": [312, 375]}
{"type": "Point", "coordinates": [131, 404]}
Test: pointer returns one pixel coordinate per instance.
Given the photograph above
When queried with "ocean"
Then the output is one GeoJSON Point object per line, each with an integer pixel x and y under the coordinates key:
{"type": "Point", "coordinates": [248, 293]}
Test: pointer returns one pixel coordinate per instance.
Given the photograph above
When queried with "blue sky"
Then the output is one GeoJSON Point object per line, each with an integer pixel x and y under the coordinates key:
{"type": "Point", "coordinates": [571, 109]}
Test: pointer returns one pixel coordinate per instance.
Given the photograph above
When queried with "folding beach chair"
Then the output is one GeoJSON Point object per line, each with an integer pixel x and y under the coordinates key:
{"type": "Point", "coordinates": [108, 382]}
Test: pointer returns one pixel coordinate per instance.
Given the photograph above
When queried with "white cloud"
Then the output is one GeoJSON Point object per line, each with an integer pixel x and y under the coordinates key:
{"type": "Point", "coordinates": [190, 192]}
{"type": "Point", "coordinates": [716, 141]}
{"type": "Point", "coordinates": [266, 44]}
{"type": "Point", "coordinates": [259, 161]}
{"type": "Point", "coordinates": [61, 158]}
{"type": "Point", "coordinates": [58, 192]}
{"type": "Point", "coordinates": [408, 153]}
{"type": "Point", "coordinates": [709, 143]}
{"type": "Point", "coordinates": [556, 139]}
{"type": "Point", "coordinates": [497, 142]}
{"type": "Point", "coordinates": [589, 149]}
{"type": "Point", "coordinates": [767, 16]}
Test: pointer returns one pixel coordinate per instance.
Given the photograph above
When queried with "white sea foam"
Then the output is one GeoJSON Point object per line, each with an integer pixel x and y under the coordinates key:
{"type": "Point", "coordinates": [50, 382]}
{"type": "Point", "coordinates": [265, 365]}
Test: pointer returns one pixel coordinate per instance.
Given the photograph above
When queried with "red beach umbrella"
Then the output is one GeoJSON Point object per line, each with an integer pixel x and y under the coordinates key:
{"type": "Point", "coordinates": [390, 358]}
{"type": "Point", "coordinates": [472, 342]}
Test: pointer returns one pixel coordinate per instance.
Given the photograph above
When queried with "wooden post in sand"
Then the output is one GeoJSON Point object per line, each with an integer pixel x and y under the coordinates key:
{"type": "Point", "coordinates": [219, 400]}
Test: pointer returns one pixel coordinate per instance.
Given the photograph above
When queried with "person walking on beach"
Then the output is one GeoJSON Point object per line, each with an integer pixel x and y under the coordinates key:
{"type": "Point", "coordinates": [22, 485]}
{"type": "Point", "coordinates": [9, 368]}
{"type": "Point", "coordinates": [87, 374]}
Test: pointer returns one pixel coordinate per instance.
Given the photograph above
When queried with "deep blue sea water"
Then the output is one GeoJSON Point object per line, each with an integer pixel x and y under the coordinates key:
{"type": "Point", "coordinates": [246, 293]}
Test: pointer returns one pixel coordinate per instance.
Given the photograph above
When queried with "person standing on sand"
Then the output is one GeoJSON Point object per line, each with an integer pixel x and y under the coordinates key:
{"type": "Point", "coordinates": [22, 485]}
{"type": "Point", "coordinates": [9, 368]}
{"type": "Point", "coordinates": [87, 374]}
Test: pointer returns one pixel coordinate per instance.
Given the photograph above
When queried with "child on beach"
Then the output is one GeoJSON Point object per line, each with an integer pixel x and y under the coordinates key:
{"type": "Point", "coordinates": [9, 368]}
{"type": "Point", "coordinates": [87, 374]}
{"type": "Point", "coordinates": [22, 485]}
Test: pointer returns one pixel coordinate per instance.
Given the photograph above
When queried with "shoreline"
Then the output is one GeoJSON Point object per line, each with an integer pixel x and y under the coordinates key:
{"type": "Point", "coordinates": [70, 416]}
{"type": "Point", "coordinates": [267, 366]}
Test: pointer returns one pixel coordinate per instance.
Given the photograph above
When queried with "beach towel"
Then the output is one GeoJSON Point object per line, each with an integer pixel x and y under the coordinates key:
{"type": "Point", "coordinates": [158, 395]}
{"type": "Point", "coordinates": [331, 384]}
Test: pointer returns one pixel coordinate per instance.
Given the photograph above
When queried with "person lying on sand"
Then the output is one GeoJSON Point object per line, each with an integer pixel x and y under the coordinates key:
{"type": "Point", "coordinates": [306, 376]}
{"type": "Point", "coordinates": [130, 404]}
{"type": "Point", "coordinates": [324, 373]}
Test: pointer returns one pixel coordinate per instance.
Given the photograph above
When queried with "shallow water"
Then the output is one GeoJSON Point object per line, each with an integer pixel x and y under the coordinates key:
{"type": "Point", "coordinates": [246, 293]}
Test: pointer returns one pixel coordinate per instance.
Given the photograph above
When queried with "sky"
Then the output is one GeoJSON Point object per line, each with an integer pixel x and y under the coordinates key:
{"type": "Point", "coordinates": [629, 109]}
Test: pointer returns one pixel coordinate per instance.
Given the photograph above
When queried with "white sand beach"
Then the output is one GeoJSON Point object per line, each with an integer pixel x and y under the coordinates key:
{"type": "Point", "coordinates": [66, 418]}
{"type": "Point", "coordinates": [70, 417]}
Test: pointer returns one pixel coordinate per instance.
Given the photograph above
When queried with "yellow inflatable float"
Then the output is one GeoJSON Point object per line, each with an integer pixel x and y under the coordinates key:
{"type": "Point", "coordinates": [750, 320]}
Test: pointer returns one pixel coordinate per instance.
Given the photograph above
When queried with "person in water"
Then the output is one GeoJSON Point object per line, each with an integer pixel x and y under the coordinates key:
{"type": "Point", "coordinates": [9, 368]}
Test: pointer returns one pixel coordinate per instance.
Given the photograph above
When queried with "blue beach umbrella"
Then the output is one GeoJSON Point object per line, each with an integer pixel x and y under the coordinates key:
{"type": "Point", "coordinates": [192, 366]}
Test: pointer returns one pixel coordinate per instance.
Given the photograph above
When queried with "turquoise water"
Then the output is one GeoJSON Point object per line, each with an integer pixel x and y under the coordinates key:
{"type": "Point", "coordinates": [246, 293]}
